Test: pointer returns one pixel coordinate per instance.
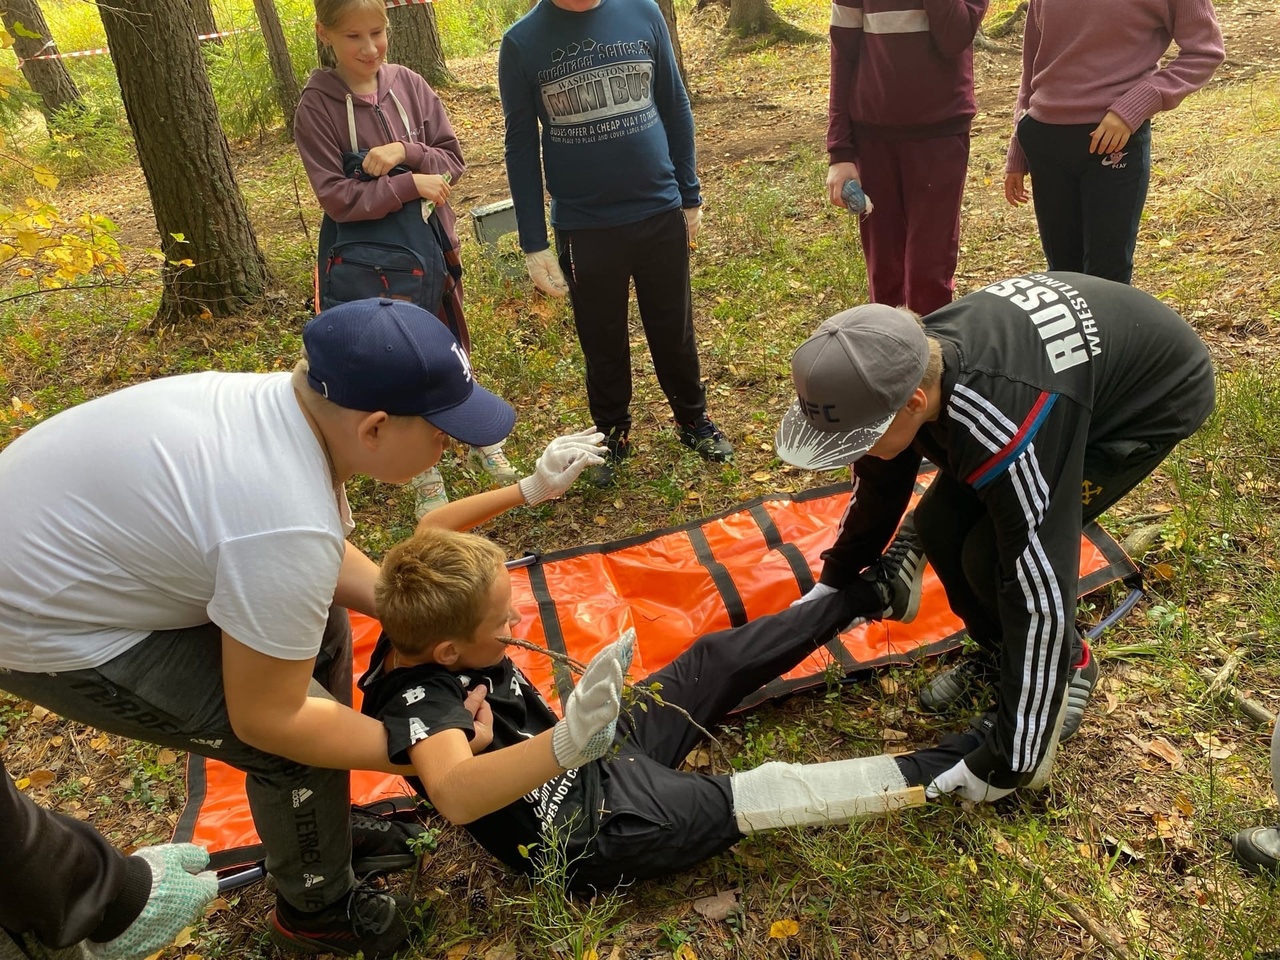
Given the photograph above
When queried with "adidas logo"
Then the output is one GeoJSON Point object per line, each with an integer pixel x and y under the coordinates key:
{"type": "Point", "coordinates": [301, 796]}
{"type": "Point", "coordinates": [215, 744]}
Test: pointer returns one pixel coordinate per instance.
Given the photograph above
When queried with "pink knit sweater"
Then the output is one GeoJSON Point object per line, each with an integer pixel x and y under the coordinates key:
{"type": "Point", "coordinates": [1081, 58]}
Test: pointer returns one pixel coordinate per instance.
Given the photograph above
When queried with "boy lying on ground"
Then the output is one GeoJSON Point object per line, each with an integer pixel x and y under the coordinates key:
{"type": "Point", "coordinates": [491, 756]}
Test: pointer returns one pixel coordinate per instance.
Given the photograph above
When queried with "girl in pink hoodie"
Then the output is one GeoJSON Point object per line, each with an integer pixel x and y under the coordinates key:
{"type": "Point", "coordinates": [1091, 81]}
{"type": "Point", "coordinates": [413, 156]}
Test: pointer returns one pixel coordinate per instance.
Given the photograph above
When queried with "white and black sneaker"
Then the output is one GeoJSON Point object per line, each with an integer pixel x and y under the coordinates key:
{"type": "Point", "coordinates": [898, 574]}
{"type": "Point", "coordinates": [1084, 677]}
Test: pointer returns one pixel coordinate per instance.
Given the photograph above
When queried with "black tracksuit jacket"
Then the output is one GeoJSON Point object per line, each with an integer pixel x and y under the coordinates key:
{"type": "Point", "coordinates": [1040, 372]}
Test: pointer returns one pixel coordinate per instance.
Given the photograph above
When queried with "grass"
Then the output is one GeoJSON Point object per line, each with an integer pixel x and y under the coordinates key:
{"type": "Point", "coordinates": [1124, 834]}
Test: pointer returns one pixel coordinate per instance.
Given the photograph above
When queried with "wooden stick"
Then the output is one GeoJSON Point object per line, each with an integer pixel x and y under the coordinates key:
{"type": "Point", "coordinates": [636, 691]}
{"type": "Point", "coordinates": [1104, 935]}
{"type": "Point", "coordinates": [1219, 681]}
{"type": "Point", "coordinates": [1250, 708]}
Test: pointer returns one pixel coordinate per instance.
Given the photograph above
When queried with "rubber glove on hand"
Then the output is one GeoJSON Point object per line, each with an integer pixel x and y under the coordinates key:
{"type": "Point", "coordinates": [179, 893]}
{"type": "Point", "coordinates": [561, 463]}
{"type": "Point", "coordinates": [591, 712]}
{"type": "Point", "coordinates": [693, 223]}
{"type": "Point", "coordinates": [819, 591]}
{"type": "Point", "coordinates": [544, 271]}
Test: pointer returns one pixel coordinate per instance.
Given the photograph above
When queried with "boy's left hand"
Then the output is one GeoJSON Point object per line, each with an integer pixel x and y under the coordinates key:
{"type": "Point", "coordinates": [477, 704]}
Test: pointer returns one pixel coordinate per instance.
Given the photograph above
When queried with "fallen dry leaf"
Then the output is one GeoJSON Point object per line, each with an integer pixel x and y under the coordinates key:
{"type": "Point", "coordinates": [40, 779]}
{"type": "Point", "coordinates": [1212, 746]}
{"type": "Point", "coordinates": [1166, 751]}
{"type": "Point", "coordinates": [888, 733]}
{"type": "Point", "coordinates": [781, 929]}
{"type": "Point", "coordinates": [166, 757]}
{"type": "Point", "coordinates": [684, 952]}
{"type": "Point", "coordinates": [503, 951]}
{"type": "Point", "coordinates": [719, 907]}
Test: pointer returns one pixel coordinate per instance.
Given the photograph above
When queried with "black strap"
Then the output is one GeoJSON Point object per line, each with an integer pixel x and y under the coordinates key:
{"type": "Point", "coordinates": [552, 630]}
{"type": "Point", "coordinates": [720, 576]}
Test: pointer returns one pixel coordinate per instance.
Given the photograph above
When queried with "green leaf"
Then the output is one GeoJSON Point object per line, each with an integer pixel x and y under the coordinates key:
{"type": "Point", "coordinates": [21, 30]}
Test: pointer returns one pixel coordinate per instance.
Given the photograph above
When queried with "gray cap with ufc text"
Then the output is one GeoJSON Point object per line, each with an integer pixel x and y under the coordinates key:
{"type": "Point", "coordinates": [852, 377]}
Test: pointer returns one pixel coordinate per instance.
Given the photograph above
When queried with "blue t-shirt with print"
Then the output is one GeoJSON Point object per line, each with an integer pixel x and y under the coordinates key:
{"type": "Point", "coordinates": [599, 93]}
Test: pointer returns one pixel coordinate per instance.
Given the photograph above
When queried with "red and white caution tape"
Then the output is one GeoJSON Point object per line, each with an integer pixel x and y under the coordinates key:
{"type": "Point", "coordinates": [101, 50]}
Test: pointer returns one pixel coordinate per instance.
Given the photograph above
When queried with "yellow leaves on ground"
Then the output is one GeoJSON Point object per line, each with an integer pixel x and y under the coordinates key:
{"type": "Point", "coordinates": [684, 952]}
{"type": "Point", "coordinates": [781, 929]}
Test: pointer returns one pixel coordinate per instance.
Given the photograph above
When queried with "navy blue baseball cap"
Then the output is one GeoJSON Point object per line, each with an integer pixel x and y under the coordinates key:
{"type": "Point", "coordinates": [395, 357]}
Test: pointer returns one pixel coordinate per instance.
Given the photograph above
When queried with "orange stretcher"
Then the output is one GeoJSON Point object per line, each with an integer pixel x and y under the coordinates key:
{"type": "Point", "coordinates": [672, 586]}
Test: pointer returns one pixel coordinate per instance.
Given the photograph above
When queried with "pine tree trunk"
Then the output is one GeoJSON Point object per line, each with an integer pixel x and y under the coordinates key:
{"type": "Point", "coordinates": [48, 78]}
{"type": "Point", "coordinates": [202, 15]}
{"type": "Point", "coordinates": [750, 17]}
{"type": "Point", "coordinates": [185, 160]}
{"type": "Point", "coordinates": [415, 43]}
{"type": "Point", "coordinates": [668, 9]}
{"type": "Point", "coordinates": [281, 64]}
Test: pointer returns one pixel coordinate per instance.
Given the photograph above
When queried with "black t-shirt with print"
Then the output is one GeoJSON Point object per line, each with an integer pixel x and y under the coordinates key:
{"type": "Point", "coordinates": [417, 702]}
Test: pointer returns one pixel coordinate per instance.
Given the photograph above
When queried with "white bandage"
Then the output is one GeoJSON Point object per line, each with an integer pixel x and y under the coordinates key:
{"type": "Point", "coordinates": [776, 795]}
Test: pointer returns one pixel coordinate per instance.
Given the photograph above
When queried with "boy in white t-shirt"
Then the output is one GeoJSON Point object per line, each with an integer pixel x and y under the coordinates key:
{"type": "Point", "coordinates": [177, 568]}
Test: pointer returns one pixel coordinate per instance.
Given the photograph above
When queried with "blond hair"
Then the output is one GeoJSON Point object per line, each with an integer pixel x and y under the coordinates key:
{"type": "Point", "coordinates": [933, 366]}
{"type": "Point", "coordinates": [331, 13]}
{"type": "Point", "coordinates": [434, 587]}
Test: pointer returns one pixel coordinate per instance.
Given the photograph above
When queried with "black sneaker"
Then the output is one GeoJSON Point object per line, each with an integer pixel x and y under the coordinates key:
{"type": "Point", "coordinates": [952, 687]}
{"type": "Point", "coordinates": [380, 844]}
{"type": "Point", "coordinates": [1084, 677]}
{"type": "Point", "coordinates": [617, 445]}
{"type": "Point", "coordinates": [367, 920]}
{"type": "Point", "coordinates": [705, 439]}
{"type": "Point", "coordinates": [1258, 849]}
{"type": "Point", "coordinates": [899, 575]}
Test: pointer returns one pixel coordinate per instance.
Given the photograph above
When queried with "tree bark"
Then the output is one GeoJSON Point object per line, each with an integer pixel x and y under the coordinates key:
{"type": "Point", "coordinates": [48, 78]}
{"type": "Point", "coordinates": [749, 18]}
{"type": "Point", "coordinates": [415, 43]}
{"type": "Point", "coordinates": [281, 63]}
{"type": "Point", "coordinates": [202, 15]}
{"type": "Point", "coordinates": [185, 160]}
{"type": "Point", "coordinates": [668, 9]}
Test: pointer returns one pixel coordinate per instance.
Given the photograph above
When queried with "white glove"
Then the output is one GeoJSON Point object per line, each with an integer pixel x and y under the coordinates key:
{"type": "Point", "coordinates": [819, 591]}
{"type": "Point", "coordinates": [693, 223]}
{"type": "Point", "coordinates": [960, 780]}
{"type": "Point", "coordinates": [591, 712]}
{"type": "Point", "coordinates": [544, 271]}
{"type": "Point", "coordinates": [561, 463]}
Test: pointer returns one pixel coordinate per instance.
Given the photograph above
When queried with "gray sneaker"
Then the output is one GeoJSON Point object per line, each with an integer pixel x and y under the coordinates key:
{"type": "Point", "coordinates": [1258, 849]}
{"type": "Point", "coordinates": [899, 575]}
{"type": "Point", "coordinates": [955, 686]}
{"type": "Point", "coordinates": [1084, 677]}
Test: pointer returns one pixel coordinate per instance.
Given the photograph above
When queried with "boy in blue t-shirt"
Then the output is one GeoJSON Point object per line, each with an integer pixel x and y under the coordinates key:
{"type": "Point", "coordinates": [598, 78]}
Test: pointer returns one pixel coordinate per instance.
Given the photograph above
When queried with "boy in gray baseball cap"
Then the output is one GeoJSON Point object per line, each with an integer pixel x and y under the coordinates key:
{"type": "Point", "coordinates": [1042, 400]}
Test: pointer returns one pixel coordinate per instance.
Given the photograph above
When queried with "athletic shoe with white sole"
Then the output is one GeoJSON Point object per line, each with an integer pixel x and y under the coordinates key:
{"type": "Point", "coordinates": [899, 574]}
{"type": "Point", "coordinates": [493, 461]}
{"type": "Point", "coordinates": [428, 492]}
